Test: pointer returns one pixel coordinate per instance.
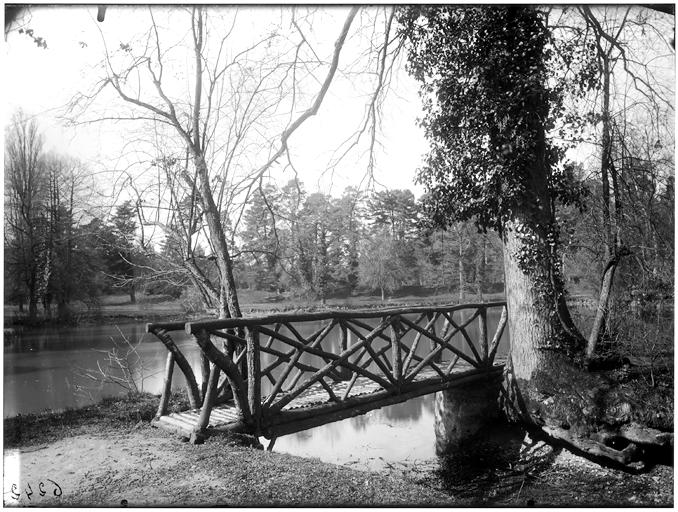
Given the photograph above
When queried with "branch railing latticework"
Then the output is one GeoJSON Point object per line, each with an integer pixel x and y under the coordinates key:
{"type": "Point", "coordinates": [279, 373]}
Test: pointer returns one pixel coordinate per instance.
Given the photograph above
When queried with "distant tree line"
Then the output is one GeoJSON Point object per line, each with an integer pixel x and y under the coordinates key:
{"type": "Point", "coordinates": [60, 249]}
{"type": "Point", "coordinates": [319, 246]}
{"type": "Point", "coordinates": [56, 250]}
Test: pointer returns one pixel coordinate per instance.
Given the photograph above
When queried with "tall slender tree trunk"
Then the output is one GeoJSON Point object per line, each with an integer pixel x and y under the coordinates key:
{"type": "Point", "coordinates": [460, 268]}
{"type": "Point", "coordinates": [602, 310]}
{"type": "Point", "coordinates": [229, 305]}
{"type": "Point", "coordinates": [32, 302]}
{"type": "Point", "coordinates": [606, 156]}
{"type": "Point", "coordinates": [481, 266]}
{"type": "Point", "coordinates": [63, 311]}
{"type": "Point", "coordinates": [612, 227]}
{"type": "Point", "coordinates": [228, 295]}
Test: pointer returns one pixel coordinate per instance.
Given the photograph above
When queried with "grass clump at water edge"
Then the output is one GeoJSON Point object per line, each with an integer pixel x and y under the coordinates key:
{"type": "Point", "coordinates": [113, 412]}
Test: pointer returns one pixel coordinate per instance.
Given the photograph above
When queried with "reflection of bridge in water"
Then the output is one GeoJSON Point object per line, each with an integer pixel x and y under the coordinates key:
{"type": "Point", "coordinates": [273, 375]}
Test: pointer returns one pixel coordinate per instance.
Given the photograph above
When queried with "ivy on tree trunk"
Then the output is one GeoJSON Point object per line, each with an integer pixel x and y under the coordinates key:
{"type": "Point", "coordinates": [488, 102]}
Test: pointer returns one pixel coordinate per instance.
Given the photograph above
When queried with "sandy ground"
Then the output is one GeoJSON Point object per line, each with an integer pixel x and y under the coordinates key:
{"type": "Point", "coordinates": [148, 467]}
{"type": "Point", "coordinates": [143, 466]}
{"type": "Point", "coordinates": [84, 465]}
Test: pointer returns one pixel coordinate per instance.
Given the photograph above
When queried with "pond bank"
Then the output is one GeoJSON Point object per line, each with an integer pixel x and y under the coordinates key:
{"type": "Point", "coordinates": [107, 453]}
{"type": "Point", "coordinates": [162, 309]}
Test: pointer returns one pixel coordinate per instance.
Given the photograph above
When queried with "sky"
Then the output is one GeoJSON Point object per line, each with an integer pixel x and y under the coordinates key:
{"type": "Point", "coordinates": [42, 81]}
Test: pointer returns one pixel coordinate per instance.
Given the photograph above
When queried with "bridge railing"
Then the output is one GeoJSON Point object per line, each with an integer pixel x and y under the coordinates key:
{"type": "Point", "coordinates": [197, 395]}
{"type": "Point", "coordinates": [392, 351]}
{"type": "Point", "coordinates": [163, 331]}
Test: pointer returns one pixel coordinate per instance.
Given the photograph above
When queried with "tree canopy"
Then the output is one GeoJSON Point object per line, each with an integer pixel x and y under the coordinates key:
{"type": "Point", "coordinates": [486, 129]}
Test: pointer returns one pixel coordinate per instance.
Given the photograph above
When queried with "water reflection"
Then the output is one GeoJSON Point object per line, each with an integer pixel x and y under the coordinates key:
{"type": "Point", "coordinates": [394, 436]}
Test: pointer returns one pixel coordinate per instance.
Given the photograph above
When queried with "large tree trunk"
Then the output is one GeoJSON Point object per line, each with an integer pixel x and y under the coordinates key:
{"type": "Point", "coordinates": [533, 328]}
{"type": "Point", "coordinates": [541, 345]}
{"type": "Point", "coordinates": [546, 387]}
{"type": "Point", "coordinates": [534, 290]}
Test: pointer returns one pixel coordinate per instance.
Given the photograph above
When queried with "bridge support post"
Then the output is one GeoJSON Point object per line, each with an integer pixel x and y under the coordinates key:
{"type": "Point", "coordinates": [254, 378]}
{"type": "Point", "coordinates": [167, 386]}
{"type": "Point", "coordinates": [461, 412]}
{"type": "Point", "coordinates": [198, 434]}
{"type": "Point", "coordinates": [344, 343]}
{"type": "Point", "coordinates": [182, 363]}
{"type": "Point", "coordinates": [205, 371]}
{"type": "Point", "coordinates": [396, 357]}
{"type": "Point", "coordinates": [482, 333]}
{"type": "Point", "coordinates": [432, 344]}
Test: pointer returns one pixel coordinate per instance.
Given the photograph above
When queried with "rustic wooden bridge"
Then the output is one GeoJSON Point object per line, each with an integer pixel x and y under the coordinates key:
{"type": "Point", "coordinates": [283, 373]}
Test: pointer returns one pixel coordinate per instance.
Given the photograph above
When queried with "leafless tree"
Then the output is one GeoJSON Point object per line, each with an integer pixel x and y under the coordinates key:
{"type": "Point", "coordinates": [210, 147]}
{"type": "Point", "coordinates": [630, 50]}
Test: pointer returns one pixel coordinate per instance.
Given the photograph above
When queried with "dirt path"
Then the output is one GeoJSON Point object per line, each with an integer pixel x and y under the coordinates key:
{"type": "Point", "coordinates": [84, 465]}
{"type": "Point", "coordinates": [147, 467]}
{"type": "Point", "coordinates": [142, 466]}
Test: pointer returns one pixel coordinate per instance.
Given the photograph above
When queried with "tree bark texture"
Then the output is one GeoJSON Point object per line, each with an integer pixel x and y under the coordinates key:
{"type": "Point", "coordinates": [533, 326]}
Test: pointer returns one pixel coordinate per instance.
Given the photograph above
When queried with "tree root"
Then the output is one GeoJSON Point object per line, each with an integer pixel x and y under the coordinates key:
{"type": "Point", "coordinates": [595, 450]}
{"type": "Point", "coordinates": [640, 434]}
{"type": "Point", "coordinates": [633, 441]}
{"type": "Point", "coordinates": [590, 415]}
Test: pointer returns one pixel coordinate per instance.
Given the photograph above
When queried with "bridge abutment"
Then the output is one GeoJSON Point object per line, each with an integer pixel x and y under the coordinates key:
{"type": "Point", "coordinates": [461, 412]}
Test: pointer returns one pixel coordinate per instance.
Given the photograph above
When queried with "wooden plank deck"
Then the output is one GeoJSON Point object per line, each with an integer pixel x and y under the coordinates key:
{"type": "Point", "coordinates": [225, 416]}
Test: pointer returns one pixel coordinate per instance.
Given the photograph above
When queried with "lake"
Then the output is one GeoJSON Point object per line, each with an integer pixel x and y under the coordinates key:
{"type": "Point", "coordinates": [46, 370]}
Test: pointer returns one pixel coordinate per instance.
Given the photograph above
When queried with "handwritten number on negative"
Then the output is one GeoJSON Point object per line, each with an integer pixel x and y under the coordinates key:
{"type": "Point", "coordinates": [57, 488]}
{"type": "Point", "coordinates": [28, 490]}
